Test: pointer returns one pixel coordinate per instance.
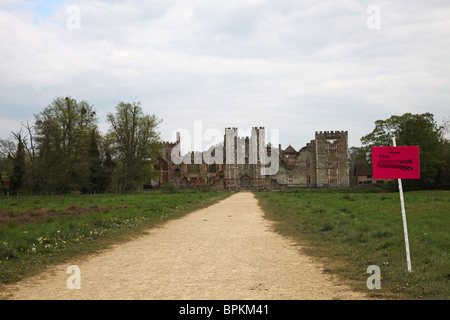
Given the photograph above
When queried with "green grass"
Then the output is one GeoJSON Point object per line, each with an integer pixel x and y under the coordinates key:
{"type": "Point", "coordinates": [38, 231]}
{"type": "Point", "coordinates": [350, 230]}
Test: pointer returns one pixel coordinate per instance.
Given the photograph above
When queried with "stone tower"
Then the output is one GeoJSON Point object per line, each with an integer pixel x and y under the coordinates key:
{"type": "Point", "coordinates": [243, 165]}
{"type": "Point", "coordinates": [332, 159]}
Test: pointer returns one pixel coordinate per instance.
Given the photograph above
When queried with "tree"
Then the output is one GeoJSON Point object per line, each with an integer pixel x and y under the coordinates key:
{"type": "Point", "coordinates": [100, 171]}
{"type": "Point", "coordinates": [95, 165]}
{"type": "Point", "coordinates": [355, 157]}
{"type": "Point", "coordinates": [26, 140]}
{"type": "Point", "coordinates": [137, 143]}
{"type": "Point", "coordinates": [444, 171]}
{"type": "Point", "coordinates": [17, 177]}
{"type": "Point", "coordinates": [108, 170]}
{"type": "Point", "coordinates": [412, 130]}
{"type": "Point", "coordinates": [7, 148]}
{"type": "Point", "coordinates": [62, 134]}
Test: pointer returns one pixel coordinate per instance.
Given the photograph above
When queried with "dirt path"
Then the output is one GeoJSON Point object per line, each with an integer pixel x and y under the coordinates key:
{"type": "Point", "coordinates": [226, 251]}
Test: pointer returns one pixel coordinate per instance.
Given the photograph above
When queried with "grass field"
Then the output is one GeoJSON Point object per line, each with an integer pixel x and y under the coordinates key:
{"type": "Point", "coordinates": [350, 230]}
{"type": "Point", "coordinates": [39, 231]}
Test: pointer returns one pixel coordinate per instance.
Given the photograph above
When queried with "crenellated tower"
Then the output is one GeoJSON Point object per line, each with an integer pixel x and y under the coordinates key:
{"type": "Point", "coordinates": [242, 159]}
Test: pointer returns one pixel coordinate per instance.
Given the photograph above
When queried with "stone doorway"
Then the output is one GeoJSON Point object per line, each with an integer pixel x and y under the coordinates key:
{"type": "Point", "coordinates": [246, 181]}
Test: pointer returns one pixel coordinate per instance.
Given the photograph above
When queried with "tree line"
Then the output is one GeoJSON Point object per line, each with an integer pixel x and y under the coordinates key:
{"type": "Point", "coordinates": [63, 151]}
{"type": "Point", "coordinates": [411, 130]}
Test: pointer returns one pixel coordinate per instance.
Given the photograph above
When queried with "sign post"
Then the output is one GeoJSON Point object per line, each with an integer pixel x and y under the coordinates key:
{"type": "Point", "coordinates": [397, 163]}
{"type": "Point", "coordinates": [405, 227]}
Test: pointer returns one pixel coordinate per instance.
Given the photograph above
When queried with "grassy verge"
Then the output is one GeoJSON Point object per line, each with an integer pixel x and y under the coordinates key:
{"type": "Point", "coordinates": [352, 230]}
{"type": "Point", "coordinates": [39, 231]}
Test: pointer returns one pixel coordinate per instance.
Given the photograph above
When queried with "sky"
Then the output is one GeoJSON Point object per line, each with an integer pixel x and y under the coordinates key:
{"type": "Point", "coordinates": [292, 66]}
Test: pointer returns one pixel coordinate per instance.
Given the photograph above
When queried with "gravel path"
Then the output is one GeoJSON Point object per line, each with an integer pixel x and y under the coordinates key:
{"type": "Point", "coordinates": [226, 251]}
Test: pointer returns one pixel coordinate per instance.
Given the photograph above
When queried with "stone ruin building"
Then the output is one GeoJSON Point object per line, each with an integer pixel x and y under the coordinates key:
{"type": "Point", "coordinates": [321, 163]}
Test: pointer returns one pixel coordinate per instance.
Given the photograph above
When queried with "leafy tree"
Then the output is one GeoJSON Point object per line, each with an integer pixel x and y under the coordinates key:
{"type": "Point", "coordinates": [7, 147]}
{"type": "Point", "coordinates": [443, 176]}
{"type": "Point", "coordinates": [137, 144]}
{"type": "Point", "coordinates": [100, 171]}
{"type": "Point", "coordinates": [62, 135]}
{"type": "Point", "coordinates": [95, 165]}
{"type": "Point", "coordinates": [108, 170]}
{"type": "Point", "coordinates": [412, 130]}
{"type": "Point", "coordinates": [355, 157]}
{"type": "Point", "coordinates": [17, 177]}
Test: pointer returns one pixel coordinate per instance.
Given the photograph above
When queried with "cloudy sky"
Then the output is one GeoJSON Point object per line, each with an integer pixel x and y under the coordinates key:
{"type": "Point", "coordinates": [296, 66]}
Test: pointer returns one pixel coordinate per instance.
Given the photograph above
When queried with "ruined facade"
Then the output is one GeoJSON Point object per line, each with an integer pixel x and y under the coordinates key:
{"type": "Point", "coordinates": [321, 163]}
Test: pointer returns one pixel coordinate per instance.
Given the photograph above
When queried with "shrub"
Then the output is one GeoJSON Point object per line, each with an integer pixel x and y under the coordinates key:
{"type": "Point", "coordinates": [169, 188]}
{"type": "Point", "coordinates": [203, 188]}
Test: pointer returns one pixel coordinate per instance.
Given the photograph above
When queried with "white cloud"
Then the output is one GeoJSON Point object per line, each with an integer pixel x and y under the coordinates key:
{"type": "Point", "coordinates": [295, 66]}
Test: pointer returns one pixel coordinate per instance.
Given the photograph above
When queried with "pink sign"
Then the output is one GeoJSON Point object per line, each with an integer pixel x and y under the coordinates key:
{"type": "Point", "coordinates": [396, 162]}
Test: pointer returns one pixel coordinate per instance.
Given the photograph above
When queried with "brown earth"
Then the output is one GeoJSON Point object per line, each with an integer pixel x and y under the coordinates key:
{"type": "Point", "coordinates": [226, 251]}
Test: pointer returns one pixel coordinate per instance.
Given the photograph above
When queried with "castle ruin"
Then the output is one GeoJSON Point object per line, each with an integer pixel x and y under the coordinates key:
{"type": "Point", "coordinates": [321, 163]}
